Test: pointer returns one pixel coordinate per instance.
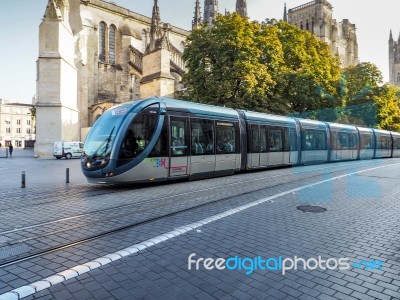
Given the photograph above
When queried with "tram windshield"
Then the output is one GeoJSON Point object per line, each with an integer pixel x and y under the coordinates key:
{"type": "Point", "coordinates": [100, 140]}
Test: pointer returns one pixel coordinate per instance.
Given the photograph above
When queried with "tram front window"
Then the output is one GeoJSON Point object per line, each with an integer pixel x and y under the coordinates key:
{"type": "Point", "coordinates": [98, 144]}
{"type": "Point", "coordinates": [138, 134]}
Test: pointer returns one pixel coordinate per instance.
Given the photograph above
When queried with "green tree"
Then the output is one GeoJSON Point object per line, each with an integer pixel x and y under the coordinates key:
{"type": "Point", "coordinates": [225, 64]}
{"type": "Point", "coordinates": [361, 81]}
{"type": "Point", "coordinates": [368, 103]}
{"type": "Point", "coordinates": [388, 108]}
{"type": "Point", "coordinates": [310, 75]}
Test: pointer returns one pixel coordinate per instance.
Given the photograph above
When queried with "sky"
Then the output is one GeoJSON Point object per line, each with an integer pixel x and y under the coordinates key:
{"type": "Point", "coordinates": [20, 20]}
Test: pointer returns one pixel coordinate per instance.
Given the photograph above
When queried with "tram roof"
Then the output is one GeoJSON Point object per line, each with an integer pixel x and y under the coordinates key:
{"type": "Point", "coordinates": [365, 130]}
{"type": "Point", "coordinates": [396, 134]}
{"type": "Point", "coordinates": [200, 109]}
{"type": "Point", "coordinates": [380, 131]}
{"type": "Point", "coordinates": [273, 119]}
{"type": "Point", "coordinates": [312, 124]}
{"type": "Point", "coordinates": [342, 127]}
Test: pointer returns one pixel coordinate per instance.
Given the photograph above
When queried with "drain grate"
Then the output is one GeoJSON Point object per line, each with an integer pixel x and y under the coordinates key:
{"type": "Point", "coordinates": [311, 208]}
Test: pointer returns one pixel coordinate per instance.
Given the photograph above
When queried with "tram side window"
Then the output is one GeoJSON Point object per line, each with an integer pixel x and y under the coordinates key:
{"type": "Point", "coordinates": [292, 139]}
{"type": "Point", "coordinates": [320, 140]}
{"type": "Point", "coordinates": [366, 141]}
{"type": "Point", "coordinates": [396, 143]}
{"type": "Point", "coordinates": [202, 137]}
{"type": "Point", "coordinates": [353, 141]}
{"type": "Point", "coordinates": [227, 137]}
{"type": "Point", "coordinates": [384, 142]}
{"type": "Point", "coordinates": [275, 139]}
{"type": "Point", "coordinates": [263, 139]}
{"type": "Point", "coordinates": [178, 137]}
{"type": "Point", "coordinates": [314, 140]}
{"type": "Point", "coordinates": [286, 145]}
{"type": "Point", "coordinates": [161, 147]}
{"type": "Point", "coordinates": [138, 134]}
{"type": "Point", "coordinates": [344, 142]}
{"type": "Point", "coordinates": [255, 142]}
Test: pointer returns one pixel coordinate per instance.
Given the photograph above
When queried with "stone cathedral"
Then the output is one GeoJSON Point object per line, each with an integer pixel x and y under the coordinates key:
{"type": "Point", "coordinates": [95, 54]}
{"type": "Point", "coordinates": [316, 17]}
{"type": "Point", "coordinates": [394, 60]}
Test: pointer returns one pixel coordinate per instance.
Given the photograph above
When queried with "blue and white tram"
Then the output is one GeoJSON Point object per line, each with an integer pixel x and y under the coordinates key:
{"type": "Point", "coordinates": [159, 139]}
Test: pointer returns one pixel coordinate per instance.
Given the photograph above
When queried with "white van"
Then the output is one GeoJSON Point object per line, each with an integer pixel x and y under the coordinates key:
{"type": "Point", "coordinates": [67, 149]}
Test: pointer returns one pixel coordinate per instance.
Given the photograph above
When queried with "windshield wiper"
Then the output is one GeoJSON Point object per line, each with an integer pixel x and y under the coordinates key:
{"type": "Point", "coordinates": [106, 142]}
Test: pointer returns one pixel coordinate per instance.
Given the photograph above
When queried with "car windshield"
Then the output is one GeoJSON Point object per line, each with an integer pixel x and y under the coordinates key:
{"type": "Point", "coordinates": [99, 142]}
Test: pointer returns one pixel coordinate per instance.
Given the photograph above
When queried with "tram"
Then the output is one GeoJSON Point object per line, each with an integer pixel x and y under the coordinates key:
{"type": "Point", "coordinates": [159, 139]}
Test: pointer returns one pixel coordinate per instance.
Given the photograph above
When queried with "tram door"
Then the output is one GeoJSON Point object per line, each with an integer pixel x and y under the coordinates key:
{"type": "Point", "coordinates": [202, 159]}
{"type": "Point", "coordinates": [178, 165]}
{"type": "Point", "coordinates": [276, 146]}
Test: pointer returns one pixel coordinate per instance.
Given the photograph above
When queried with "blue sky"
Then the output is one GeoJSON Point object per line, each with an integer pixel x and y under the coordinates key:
{"type": "Point", "coordinates": [20, 19]}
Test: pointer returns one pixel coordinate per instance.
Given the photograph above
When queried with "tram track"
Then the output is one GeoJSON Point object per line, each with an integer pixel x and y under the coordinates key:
{"type": "Point", "coordinates": [174, 199]}
{"type": "Point", "coordinates": [126, 188]}
{"type": "Point", "coordinates": [50, 196]}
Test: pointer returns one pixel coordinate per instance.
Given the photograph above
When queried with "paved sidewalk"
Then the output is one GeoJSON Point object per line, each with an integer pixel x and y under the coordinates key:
{"type": "Point", "coordinates": [39, 173]}
{"type": "Point", "coordinates": [360, 222]}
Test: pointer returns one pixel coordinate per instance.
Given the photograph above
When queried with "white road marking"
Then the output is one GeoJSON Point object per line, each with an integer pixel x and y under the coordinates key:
{"type": "Point", "coordinates": [40, 285]}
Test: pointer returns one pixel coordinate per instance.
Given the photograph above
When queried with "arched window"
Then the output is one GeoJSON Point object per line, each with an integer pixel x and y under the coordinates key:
{"type": "Point", "coordinates": [301, 25]}
{"type": "Point", "coordinates": [398, 77]}
{"type": "Point", "coordinates": [102, 42]}
{"type": "Point", "coordinates": [111, 45]}
{"type": "Point", "coordinates": [307, 27]}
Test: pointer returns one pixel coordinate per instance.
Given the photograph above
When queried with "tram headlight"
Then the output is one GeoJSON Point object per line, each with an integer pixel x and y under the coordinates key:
{"type": "Point", "coordinates": [104, 161]}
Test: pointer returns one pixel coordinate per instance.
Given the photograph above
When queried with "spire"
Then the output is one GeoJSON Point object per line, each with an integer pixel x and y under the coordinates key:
{"type": "Point", "coordinates": [197, 16]}
{"type": "Point", "coordinates": [155, 29]}
{"type": "Point", "coordinates": [285, 14]}
{"type": "Point", "coordinates": [210, 11]}
{"type": "Point", "coordinates": [241, 7]}
{"type": "Point", "coordinates": [53, 12]}
{"type": "Point", "coordinates": [390, 36]}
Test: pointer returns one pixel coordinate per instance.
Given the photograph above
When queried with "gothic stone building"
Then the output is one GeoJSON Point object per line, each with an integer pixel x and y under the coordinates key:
{"type": "Point", "coordinates": [394, 60]}
{"type": "Point", "coordinates": [316, 17]}
{"type": "Point", "coordinates": [93, 55]}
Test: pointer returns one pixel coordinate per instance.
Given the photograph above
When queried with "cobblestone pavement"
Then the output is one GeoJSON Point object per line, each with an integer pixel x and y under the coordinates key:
{"type": "Point", "coordinates": [361, 222]}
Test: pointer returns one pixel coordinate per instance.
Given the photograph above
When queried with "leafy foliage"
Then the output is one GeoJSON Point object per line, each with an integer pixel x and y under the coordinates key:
{"type": "Point", "coordinates": [276, 67]}
{"type": "Point", "coordinates": [225, 64]}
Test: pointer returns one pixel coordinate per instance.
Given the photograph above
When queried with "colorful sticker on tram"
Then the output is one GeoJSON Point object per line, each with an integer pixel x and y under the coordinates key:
{"type": "Point", "coordinates": [158, 162]}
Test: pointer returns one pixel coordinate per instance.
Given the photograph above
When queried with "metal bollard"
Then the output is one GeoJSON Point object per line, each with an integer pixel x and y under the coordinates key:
{"type": "Point", "coordinates": [67, 175]}
{"type": "Point", "coordinates": [23, 179]}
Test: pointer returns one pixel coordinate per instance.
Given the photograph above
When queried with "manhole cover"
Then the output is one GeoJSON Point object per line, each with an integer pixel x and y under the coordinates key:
{"type": "Point", "coordinates": [311, 208]}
